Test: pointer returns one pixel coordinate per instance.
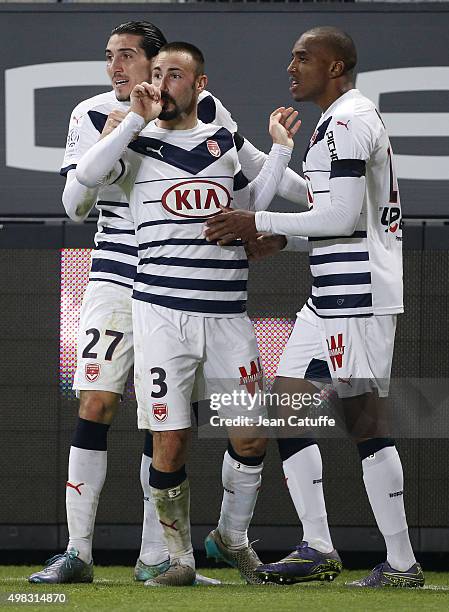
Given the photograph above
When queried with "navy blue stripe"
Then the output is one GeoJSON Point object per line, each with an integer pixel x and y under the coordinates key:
{"type": "Point", "coordinates": [118, 247]}
{"type": "Point", "coordinates": [224, 264]}
{"type": "Point", "coordinates": [329, 280]}
{"type": "Point", "coordinates": [207, 109]}
{"type": "Point", "coordinates": [110, 280]}
{"type": "Point", "coordinates": [122, 171]}
{"type": "Point", "coordinates": [360, 234]}
{"type": "Point", "coordinates": [113, 267]}
{"type": "Point", "coordinates": [315, 260]}
{"type": "Point", "coordinates": [194, 284]}
{"type": "Point", "coordinates": [356, 300]}
{"type": "Point", "coordinates": [347, 167]}
{"type": "Point", "coordinates": [345, 316]}
{"type": "Point", "coordinates": [110, 214]}
{"type": "Point", "coordinates": [193, 161]}
{"type": "Point", "coordinates": [319, 135]}
{"type": "Point", "coordinates": [206, 306]}
{"type": "Point", "coordinates": [101, 203]}
{"type": "Point", "coordinates": [176, 241]}
{"type": "Point", "coordinates": [179, 178]}
{"type": "Point", "coordinates": [64, 171]}
{"type": "Point", "coordinates": [240, 181]}
{"type": "Point", "coordinates": [98, 119]}
{"type": "Point", "coordinates": [113, 230]}
{"type": "Point", "coordinates": [170, 222]}
{"type": "Point", "coordinates": [317, 369]}
{"type": "Point", "coordinates": [239, 141]}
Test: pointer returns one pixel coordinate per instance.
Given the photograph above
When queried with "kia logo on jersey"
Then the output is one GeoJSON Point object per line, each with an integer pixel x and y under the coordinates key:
{"type": "Point", "coordinates": [213, 148]}
{"type": "Point", "coordinates": [196, 198]}
{"type": "Point", "coordinates": [92, 372]}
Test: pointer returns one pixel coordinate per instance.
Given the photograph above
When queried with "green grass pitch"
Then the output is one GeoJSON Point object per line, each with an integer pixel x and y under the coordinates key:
{"type": "Point", "coordinates": [114, 589]}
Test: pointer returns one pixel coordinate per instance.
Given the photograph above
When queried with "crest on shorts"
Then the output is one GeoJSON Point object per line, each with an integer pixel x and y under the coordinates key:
{"type": "Point", "coordinates": [92, 372]}
{"type": "Point", "coordinates": [336, 350]}
{"type": "Point", "coordinates": [160, 412]}
{"type": "Point", "coordinates": [213, 148]}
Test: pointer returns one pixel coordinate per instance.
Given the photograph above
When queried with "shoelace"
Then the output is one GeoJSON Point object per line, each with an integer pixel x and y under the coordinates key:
{"type": "Point", "coordinates": [68, 555]}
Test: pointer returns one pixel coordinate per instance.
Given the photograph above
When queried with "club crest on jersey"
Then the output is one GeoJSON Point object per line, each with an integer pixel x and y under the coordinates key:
{"type": "Point", "coordinates": [92, 372]}
{"type": "Point", "coordinates": [214, 148]}
{"type": "Point", "coordinates": [198, 198]}
{"type": "Point", "coordinates": [336, 350]}
{"type": "Point", "coordinates": [160, 412]}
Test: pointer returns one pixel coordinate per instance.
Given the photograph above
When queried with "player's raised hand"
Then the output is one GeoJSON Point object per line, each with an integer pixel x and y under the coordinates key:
{"type": "Point", "coordinates": [284, 124]}
{"type": "Point", "coordinates": [114, 119]}
{"type": "Point", "coordinates": [146, 101]}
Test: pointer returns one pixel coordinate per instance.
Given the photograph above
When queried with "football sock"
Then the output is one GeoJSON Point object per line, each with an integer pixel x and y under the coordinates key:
{"type": "Point", "coordinates": [153, 549]}
{"type": "Point", "coordinates": [87, 473]}
{"type": "Point", "coordinates": [241, 483]}
{"type": "Point", "coordinates": [304, 478]}
{"type": "Point", "coordinates": [384, 482]}
{"type": "Point", "coordinates": [171, 494]}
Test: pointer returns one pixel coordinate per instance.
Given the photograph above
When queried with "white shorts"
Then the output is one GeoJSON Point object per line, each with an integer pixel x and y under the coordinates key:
{"type": "Point", "coordinates": [354, 353]}
{"type": "Point", "coordinates": [105, 338]}
{"type": "Point", "coordinates": [181, 357]}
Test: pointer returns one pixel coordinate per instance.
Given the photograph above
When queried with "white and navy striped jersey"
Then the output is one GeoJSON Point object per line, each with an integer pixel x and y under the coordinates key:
{"type": "Point", "coordinates": [115, 256]}
{"type": "Point", "coordinates": [175, 180]}
{"type": "Point", "coordinates": [361, 274]}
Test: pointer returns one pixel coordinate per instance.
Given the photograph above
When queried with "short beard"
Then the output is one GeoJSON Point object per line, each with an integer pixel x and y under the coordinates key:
{"type": "Point", "coordinates": [168, 115]}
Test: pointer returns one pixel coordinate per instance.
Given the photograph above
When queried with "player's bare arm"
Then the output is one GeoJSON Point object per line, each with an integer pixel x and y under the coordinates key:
{"type": "Point", "coordinates": [283, 125]}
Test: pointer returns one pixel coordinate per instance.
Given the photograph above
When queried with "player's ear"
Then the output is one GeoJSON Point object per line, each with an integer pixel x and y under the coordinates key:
{"type": "Point", "coordinates": [201, 83]}
{"type": "Point", "coordinates": [337, 69]}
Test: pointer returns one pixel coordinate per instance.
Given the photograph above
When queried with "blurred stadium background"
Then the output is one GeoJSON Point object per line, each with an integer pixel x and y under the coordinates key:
{"type": "Point", "coordinates": [52, 58]}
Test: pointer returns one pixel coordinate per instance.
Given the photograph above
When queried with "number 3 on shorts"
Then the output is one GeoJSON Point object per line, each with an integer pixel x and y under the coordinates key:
{"type": "Point", "coordinates": [159, 380]}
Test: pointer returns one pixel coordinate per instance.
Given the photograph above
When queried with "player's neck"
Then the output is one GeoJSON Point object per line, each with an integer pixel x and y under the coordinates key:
{"type": "Point", "coordinates": [183, 122]}
{"type": "Point", "coordinates": [329, 97]}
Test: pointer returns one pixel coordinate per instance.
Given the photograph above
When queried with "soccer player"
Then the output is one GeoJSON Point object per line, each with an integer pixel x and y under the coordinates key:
{"type": "Point", "coordinates": [345, 332]}
{"type": "Point", "coordinates": [105, 345]}
{"type": "Point", "coordinates": [189, 315]}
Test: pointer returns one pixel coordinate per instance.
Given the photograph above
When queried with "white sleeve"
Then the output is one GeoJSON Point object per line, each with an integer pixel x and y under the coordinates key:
{"type": "Point", "coordinates": [77, 199]}
{"type": "Point", "coordinates": [354, 139]}
{"type": "Point", "coordinates": [339, 218]}
{"type": "Point", "coordinates": [292, 186]}
{"type": "Point", "coordinates": [262, 189]}
{"type": "Point", "coordinates": [211, 110]}
{"type": "Point", "coordinates": [102, 164]}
